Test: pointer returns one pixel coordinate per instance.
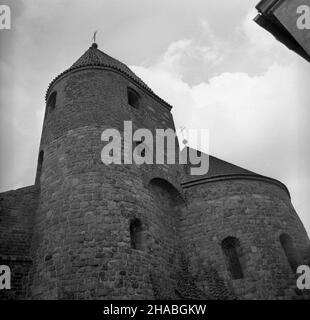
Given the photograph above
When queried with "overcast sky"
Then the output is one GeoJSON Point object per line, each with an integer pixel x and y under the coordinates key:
{"type": "Point", "coordinates": [208, 59]}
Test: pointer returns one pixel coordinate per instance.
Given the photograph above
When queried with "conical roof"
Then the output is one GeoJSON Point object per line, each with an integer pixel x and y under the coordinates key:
{"type": "Point", "coordinates": [223, 170]}
{"type": "Point", "coordinates": [95, 57]}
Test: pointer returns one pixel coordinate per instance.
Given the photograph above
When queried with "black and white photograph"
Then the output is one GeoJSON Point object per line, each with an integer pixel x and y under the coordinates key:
{"type": "Point", "coordinates": [154, 151]}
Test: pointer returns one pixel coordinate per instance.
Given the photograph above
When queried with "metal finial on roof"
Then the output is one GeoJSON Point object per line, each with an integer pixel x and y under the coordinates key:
{"type": "Point", "coordinates": [94, 45]}
{"type": "Point", "coordinates": [182, 132]}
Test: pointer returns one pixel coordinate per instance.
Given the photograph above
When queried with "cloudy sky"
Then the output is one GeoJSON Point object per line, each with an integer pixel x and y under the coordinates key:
{"type": "Point", "coordinates": [207, 58]}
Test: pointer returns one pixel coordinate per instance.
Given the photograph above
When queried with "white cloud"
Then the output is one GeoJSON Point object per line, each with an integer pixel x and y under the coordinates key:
{"type": "Point", "coordinates": [184, 53]}
{"type": "Point", "coordinates": [247, 110]}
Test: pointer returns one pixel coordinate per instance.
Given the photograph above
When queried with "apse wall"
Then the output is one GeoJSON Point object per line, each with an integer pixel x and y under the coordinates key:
{"type": "Point", "coordinates": [235, 226]}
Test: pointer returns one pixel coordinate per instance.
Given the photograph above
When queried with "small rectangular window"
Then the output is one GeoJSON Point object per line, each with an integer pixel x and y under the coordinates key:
{"type": "Point", "coordinates": [133, 98]}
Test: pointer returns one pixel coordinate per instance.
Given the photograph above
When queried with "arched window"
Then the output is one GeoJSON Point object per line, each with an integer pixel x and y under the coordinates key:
{"type": "Point", "coordinates": [136, 234]}
{"type": "Point", "coordinates": [133, 98]}
{"type": "Point", "coordinates": [289, 250]}
{"type": "Point", "coordinates": [232, 252]}
{"type": "Point", "coordinates": [39, 167]}
{"type": "Point", "coordinates": [51, 102]}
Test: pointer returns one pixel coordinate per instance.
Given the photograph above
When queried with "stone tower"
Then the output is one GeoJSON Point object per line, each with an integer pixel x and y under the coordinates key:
{"type": "Point", "coordinates": [87, 230]}
{"type": "Point", "coordinates": [86, 209]}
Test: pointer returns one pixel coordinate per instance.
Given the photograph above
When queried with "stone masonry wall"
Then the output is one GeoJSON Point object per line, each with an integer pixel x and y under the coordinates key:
{"type": "Point", "coordinates": [17, 209]}
{"type": "Point", "coordinates": [254, 212]}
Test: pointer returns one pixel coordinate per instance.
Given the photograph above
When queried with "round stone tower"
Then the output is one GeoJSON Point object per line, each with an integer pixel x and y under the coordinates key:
{"type": "Point", "coordinates": [129, 231]}
{"type": "Point", "coordinates": [101, 231]}
{"type": "Point", "coordinates": [243, 225]}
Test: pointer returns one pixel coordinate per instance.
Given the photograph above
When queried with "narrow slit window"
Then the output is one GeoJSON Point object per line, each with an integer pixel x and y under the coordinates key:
{"type": "Point", "coordinates": [136, 234]}
{"type": "Point", "coordinates": [232, 251]}
{"type": "Point", "coordinates": [39, 167]}
{"type": "Point", "coordinates": [51, 102]}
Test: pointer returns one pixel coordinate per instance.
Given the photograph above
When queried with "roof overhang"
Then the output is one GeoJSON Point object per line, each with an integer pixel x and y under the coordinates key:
{"type": "Point", "coordinates": [281, 28]}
